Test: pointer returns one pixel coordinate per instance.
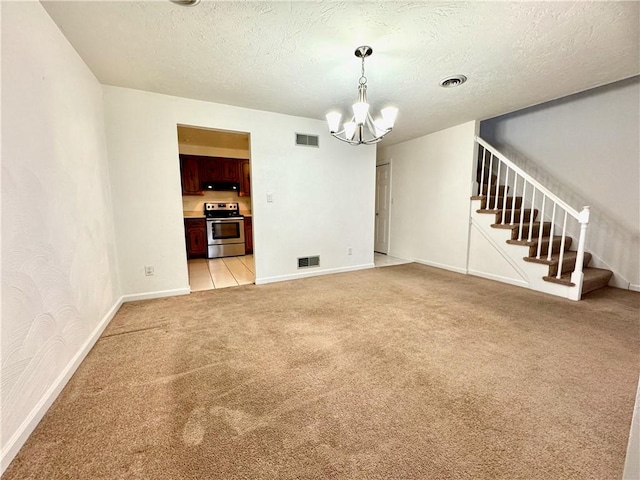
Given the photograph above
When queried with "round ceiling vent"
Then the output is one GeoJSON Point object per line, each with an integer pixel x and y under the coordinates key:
{"type": "Point", "coordinates": [453, 81]}
{"type": "Point", "coordinates": [186, 3]}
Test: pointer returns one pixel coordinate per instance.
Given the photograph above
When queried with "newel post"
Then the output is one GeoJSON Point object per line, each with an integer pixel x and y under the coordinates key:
{"type": "Point", "coordinates": [577, 276]}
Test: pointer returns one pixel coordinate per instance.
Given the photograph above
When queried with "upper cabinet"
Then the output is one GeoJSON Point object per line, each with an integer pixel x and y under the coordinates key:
{"type": "Point", "coordinates": [229, 170]}
{"type": "Point", "coordinates": [190, 175]}
{"type": "Point", "coordinates": [210, 169]}
{"type": "Point", "coordinates": [196, 170]}
{"type": "Point", "coordinates": [245, 178]}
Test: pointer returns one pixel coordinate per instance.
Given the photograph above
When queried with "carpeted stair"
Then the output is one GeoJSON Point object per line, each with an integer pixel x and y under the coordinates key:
{"type": "Point", "coordinates": [493, 204]}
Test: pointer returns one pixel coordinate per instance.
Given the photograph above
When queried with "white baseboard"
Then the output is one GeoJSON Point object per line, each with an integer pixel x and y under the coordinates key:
{"type": "Point", "coordinates": [635, 288]}
{"type": "Point", "coordinates": [441, 265]}
{"type": "Point", "coordinates": [162, 293]}
{"type": "Point", "coordinates": [314, 273]}
{"type": "Point", "coordinates": [31, 422]}
{"type": "Point", "coordinates": [499, 278]}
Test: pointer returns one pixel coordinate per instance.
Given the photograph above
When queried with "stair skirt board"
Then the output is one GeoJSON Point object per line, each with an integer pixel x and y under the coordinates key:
{"type": "Point", "coordinates": [503, 267]}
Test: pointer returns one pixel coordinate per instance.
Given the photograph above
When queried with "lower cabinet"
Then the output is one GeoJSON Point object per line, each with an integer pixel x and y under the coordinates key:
{"type": "Point", "coordinates": [196, 233]}
{"type": "Point", "coordinates": [248, 235]}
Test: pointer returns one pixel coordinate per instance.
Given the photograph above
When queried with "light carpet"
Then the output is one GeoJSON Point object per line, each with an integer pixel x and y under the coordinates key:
{"type": "Point", "coordinates": [402, 372]}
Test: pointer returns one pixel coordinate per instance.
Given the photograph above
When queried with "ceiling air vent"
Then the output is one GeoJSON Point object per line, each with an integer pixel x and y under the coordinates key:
{"type": "Point", "coordinates": [454, 81]}
{"type": "Point", "coordinates": [307, 140]}
{"type": "Point", "coordinates": [305, 262]}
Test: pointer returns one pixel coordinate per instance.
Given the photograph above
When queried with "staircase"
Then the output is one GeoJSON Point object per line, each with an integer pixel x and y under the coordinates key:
{"type": "Point", "coordinates": [532, 223]}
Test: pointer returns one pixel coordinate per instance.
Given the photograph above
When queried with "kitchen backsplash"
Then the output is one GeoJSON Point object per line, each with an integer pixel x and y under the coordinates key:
{"type": "Point", "coordinates": [196, 203]}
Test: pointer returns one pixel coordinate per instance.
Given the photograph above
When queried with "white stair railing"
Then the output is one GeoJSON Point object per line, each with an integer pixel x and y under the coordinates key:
{"type": "Point", "coordinates": [522, 184]}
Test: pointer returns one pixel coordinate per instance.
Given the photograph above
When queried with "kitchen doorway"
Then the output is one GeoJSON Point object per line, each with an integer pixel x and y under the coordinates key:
{"type": "Point", "coordinates": [215, 176]}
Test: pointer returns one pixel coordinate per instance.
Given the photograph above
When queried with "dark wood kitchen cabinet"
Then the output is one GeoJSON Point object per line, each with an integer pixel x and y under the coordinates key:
{"type": "Point", "coordinates": [229, 170]}
{"type": "Point", "coordinates": [198, 169]}
{"type": "Point", "coordinates": [190, 175]}
{"type": "Point", "coordinates": [196, 237]}
{"type": "Point", "coordinates": [210, 169]}
{"type": "Point", "coordinates": [216, 169]}
{"type": "Point", "coordinates": [245, 179]}
{"type": "Point", "coordinates": [248, 235]}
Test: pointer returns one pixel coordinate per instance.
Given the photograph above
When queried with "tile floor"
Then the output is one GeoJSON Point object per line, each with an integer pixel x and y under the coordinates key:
{"type": "Point", "coordinates": [226, 272]}
{"type": "Point", "coordinates": [382, 260]}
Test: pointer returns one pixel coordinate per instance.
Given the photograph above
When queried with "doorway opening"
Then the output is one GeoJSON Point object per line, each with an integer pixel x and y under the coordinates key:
{"type": "Point", "coordinates": [215, 175]}
{"type": "Point", "coordinates": [381, 257]}
{"type": "Point", "coordinates": [383, 199]}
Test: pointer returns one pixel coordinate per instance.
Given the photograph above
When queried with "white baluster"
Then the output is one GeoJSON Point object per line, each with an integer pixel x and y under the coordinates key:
{"type": "Point", "coordinates": [515, 190]}
{"type": "Point", "coordinates": [484, 158]}
{"type": "Point", "coordinates": [504, 197]}
{"type": "Point", "coordinates": [495, 202]}
{"type": "Point", "coordinates": [544, 199]}
{"type": "Point", "coordinates": [486, 203]}
{"type": "Point", "coordinates": [564, 235]}
{"type": "Point", "coordinates": [533, 206]}
{"type": "Point", "coordinates": [524, 191]}
{"type": "Point", "coordinates": [553, 221]}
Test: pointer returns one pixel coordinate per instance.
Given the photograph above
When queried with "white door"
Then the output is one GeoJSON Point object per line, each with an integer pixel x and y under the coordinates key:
{"type": "Point", "coordinates": [383, 186]}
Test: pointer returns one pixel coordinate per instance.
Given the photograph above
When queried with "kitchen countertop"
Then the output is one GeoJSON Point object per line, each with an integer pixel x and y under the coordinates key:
{"type": "Point", "coordinates": [188, 214]}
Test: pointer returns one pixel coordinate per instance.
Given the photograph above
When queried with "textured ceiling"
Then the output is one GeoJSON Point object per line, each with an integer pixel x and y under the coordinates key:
{"type": "Point", "coordinates": [297, 57]}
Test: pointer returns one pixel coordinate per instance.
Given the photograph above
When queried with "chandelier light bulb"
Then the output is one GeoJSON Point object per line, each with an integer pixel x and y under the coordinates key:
{"type": "Point", "coordinates": [389, 115]}
{"type": "Point", "coordinates": [360, 110]}
{"type": "Point", "coordinates": [349, 130]}
{"type": "Point", "coordinates": [362, 129]}
{"type": "Point", "coordinates": [333, 119]}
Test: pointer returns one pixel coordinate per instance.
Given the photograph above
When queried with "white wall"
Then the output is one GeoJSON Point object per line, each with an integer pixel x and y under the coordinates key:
{"type": "Point", "coordinates": [431, 182]}
{"type": "Point", "coordinates": [323, 198]}
{"type": "Point", "coordinates": [586, 149]}
{"type": "Point", "coordinates": [59, 278]}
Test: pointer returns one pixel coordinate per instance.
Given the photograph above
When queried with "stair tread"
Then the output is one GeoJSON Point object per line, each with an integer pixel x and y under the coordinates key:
{"type": "Point", "coordinates": [569, 256]}
{"type": "Point", "coordinates": [534, 241]}
{"type": "Point", "coordinates": [594, 278]}
{"type": "Point", "coordinates": [517, 226]}
{"type": "Point", "coordinates": [507, 210]}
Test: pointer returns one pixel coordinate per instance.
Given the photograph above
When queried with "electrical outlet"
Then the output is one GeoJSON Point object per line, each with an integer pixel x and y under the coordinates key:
{"type": "Point", "coordinates": [349, 251]}
{"type": "Point", "coordinates": [148, 270]}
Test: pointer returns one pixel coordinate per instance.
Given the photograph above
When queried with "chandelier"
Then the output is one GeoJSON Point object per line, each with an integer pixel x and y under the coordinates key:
{"type": "Point", "coordinates": [362, 129]}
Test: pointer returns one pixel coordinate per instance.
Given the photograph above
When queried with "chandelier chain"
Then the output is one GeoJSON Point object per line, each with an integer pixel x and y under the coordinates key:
{"type": "Point", "coordinates": [363, 79]}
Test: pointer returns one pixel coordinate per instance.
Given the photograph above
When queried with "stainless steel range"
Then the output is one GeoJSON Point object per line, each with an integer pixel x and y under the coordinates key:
{"type": "Point", "coordinates": [225, 230]}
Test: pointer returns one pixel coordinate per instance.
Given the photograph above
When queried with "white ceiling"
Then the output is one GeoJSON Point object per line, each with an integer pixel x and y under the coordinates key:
{"type": "Point", "coordinates": [297, 57]}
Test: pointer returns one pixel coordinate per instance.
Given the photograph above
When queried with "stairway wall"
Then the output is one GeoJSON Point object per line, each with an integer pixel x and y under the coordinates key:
{"type": "Point", "coordinates": [431, 181]}
{"type": "Point", "coordinates": [585, 148]}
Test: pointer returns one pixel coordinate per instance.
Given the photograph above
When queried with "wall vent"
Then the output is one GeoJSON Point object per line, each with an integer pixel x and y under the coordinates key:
{"type": "Point", "coordinates": [305, 262]}
{"type": "Point", "coordinates": [307, 140]}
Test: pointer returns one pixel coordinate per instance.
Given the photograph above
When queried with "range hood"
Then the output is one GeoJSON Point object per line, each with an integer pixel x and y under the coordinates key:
{"type": "Point", "coordinates": [221, 186]}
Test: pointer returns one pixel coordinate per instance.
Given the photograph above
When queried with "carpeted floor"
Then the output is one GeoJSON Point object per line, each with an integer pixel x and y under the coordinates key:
{"type": "Point", "coordinates": [403, 372]}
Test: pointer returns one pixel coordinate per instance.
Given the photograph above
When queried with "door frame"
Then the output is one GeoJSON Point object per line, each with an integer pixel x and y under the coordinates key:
{"type": "Point", "coordinates": [384, 162]}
